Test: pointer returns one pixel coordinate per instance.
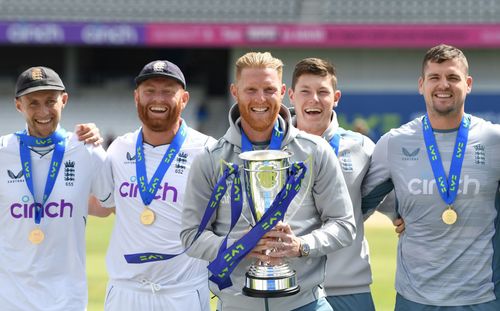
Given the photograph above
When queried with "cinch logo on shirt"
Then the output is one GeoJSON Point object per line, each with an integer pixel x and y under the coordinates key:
{"type": "Point", "coordinates": [50, 210]}
{"type": "Point", "coordinates": [131, 190]}
{"type": "Point", "coordinates": [466, 186]}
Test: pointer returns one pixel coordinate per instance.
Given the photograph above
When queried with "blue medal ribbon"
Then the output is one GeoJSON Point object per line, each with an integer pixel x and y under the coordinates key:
{"type": "Point", "coordinates": [447, 187]}
{"type": "Point", "coordinates": [335, 143]}
{"type": "Point", "coordinates": [147, 189]}
{"type": "Point", "coordinates": [227, 260]}
{"type": "Point", "coordinates": [236, 208]}
{"type": "Point", "coordinates": [58, 139]}
{"type": "Point", "coordinates": [214, 202]}
{"type": "Point", "coordinates": [275, 144]}
{"type": "Point", "coordinates": [217, 194]}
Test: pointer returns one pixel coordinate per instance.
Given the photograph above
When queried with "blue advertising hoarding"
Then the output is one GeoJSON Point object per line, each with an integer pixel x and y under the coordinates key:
{"type": "Point", "coordinates": [385, 111]}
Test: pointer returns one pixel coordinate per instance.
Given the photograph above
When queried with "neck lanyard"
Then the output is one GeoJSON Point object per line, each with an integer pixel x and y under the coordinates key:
{"type": "Point", "coordinates": [335, 142]}
{"type": "Point", "coordinates": [147, 189]}
{"type": "Point", "coordinates": [275, 144]}
{"type": "Point", "coordinates": [26, 141]}
{"type": "Point", "coordinates": [448, 187]}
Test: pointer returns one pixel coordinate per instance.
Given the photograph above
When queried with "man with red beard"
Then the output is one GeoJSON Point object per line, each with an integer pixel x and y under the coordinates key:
{"type": "Point", "coordinates": [317, 221]}
{"type": "Point", "coordinates": [146, 264]}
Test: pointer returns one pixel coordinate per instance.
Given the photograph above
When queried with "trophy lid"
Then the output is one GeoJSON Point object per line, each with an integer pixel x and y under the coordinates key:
{"type": "Point", "coordinates": [265, 155]}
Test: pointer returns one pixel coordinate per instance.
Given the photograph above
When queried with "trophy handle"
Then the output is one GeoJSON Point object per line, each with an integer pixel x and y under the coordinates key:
{"type": "Point", "coordinates": [307, 190]}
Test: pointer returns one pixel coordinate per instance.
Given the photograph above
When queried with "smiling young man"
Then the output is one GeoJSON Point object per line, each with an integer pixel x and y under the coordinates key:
{"type": "Point", "coordinates": [47, 177]}
{"type": "Point", "coordinates": [318, 221]}
{"type": "Point", "coordinates": [447, 194]}
{"type": "Point", "coordinates": [314, 96]}
{"type": "Point", "coordinates": [146, 264]}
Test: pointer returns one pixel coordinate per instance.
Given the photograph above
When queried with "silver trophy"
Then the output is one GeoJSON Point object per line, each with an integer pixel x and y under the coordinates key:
{"type": "Point", "coordinates": [265, 173]}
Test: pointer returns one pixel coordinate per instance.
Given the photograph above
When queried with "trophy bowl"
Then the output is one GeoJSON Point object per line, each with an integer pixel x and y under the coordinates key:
{"type": "Point", "coordinates": [265, 174]}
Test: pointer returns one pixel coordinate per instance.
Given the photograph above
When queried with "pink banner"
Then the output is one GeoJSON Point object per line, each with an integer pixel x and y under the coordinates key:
{"type": "Point", "coordinates": [322, 36]}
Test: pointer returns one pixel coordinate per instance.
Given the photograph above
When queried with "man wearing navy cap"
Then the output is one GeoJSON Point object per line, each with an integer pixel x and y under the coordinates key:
{"type": "Point", "coordinates": [146, 264]}
{"type": "Point", "coordinates": [46, 178]}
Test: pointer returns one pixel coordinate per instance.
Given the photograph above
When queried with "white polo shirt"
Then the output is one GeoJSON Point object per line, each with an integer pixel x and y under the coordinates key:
{"type": "Point", "coordinates": [130, 236]}
{"type": "Point", "coordinates": [50, 275]}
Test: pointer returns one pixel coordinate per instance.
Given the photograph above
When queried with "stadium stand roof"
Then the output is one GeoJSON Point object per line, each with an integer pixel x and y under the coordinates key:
{"type": "Point", "coordinates": [255, 11]}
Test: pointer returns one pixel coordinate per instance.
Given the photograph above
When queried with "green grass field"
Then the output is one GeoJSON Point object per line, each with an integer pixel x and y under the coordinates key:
{"type": "Point", "coordinates": [379, 232]}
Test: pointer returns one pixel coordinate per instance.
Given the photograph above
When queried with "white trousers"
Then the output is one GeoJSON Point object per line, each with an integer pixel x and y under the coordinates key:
{"type": "Point", "coordinates": [146, 296]}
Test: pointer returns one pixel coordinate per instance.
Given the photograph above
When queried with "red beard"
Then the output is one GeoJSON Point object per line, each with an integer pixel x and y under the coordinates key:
{"type": "Point", "coordinates": [158, 124]}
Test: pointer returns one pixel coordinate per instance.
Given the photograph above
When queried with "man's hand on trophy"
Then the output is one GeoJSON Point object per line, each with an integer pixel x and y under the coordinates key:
{"type": "Point", "coordinates": [261, 251]}
{"type": "Point", "coordinates": [283, 242]}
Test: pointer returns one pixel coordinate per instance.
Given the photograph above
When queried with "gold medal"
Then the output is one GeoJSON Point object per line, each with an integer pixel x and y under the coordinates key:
{"type": "Point", "coordinates": [449, 216]}
{"type": "Point", "coordinates": [147, 216]}
{"type": "Point", "coordinates": [36, 236]}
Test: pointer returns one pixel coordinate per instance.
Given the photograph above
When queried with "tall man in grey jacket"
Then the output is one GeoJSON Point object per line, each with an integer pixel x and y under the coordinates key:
{"type": "Point", "coordinates": [318, 220]}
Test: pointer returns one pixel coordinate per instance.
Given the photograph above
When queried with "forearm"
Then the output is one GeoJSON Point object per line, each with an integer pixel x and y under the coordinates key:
{"type": "Point", "coordinates": [333, 235]}
{"type": "Point", "coordinates": [96, 209]}
{"type": "Point", "coordinates": [204, 247]}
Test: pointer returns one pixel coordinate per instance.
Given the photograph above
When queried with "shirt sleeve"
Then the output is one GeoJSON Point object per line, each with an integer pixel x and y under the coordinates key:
{"type": "Point", "coordinates": [377, 182]}
{"type": "Point", "coordinates": [102, 180]}
{"type": "Point", "coordinates": [198, 191]}
{"type": "Point", "coordinates": [368, 146]}
{"type": "Point", "coordinates": [496, 150]}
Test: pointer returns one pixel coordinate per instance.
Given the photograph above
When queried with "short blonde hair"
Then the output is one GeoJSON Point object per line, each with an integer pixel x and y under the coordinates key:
{"type": "Point", "coordinates": [258, 60]}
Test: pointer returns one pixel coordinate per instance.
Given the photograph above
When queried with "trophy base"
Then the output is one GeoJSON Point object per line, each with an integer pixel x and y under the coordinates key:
{"type": "Point", "coordinates": [270, 282]}
{"type": "Point", "coordinates": [270, 293]}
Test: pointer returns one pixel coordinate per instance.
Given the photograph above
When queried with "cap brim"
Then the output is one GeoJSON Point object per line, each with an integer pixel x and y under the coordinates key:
{"type": "Point", "coordinates": [39, 88]}
{"type": "Point", "coordinates": [140, 79]}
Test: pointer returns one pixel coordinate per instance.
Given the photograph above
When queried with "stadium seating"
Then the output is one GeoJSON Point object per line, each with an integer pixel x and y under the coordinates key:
{"type": "Point", "coordinates": [245, 11]}
{"type": "Point", "coordinates": [151, 10]}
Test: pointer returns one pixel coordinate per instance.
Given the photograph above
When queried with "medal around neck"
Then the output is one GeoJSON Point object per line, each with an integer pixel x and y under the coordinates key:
{"type": "Point", "coordinates": [449, 216]}
{"type": "Point", "coordinates": [265, 175]}
{"type": "Point", "coordinates": [147, 216]}
{"type": "Point", "coordinates": [148, 189]}
{"type": "Point", "coordinates": [447, 186]}
{"type": "Point", "coordinates": [36, 236]}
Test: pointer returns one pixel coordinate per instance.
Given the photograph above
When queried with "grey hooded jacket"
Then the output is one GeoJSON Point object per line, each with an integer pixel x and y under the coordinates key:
{"type": "Point", "coordinates": [348, 270]}
{"type": "Point", "coordinates": [321, 213]}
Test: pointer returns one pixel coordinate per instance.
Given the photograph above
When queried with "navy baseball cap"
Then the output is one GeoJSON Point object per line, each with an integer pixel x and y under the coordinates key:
{"type": "Point", "coordinates": [38, 79]}
{"type": "Point", "coordinates": [161, 68]}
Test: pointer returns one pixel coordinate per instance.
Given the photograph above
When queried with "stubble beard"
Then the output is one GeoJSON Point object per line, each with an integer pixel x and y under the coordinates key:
{"type": "Point", "coordinates": [445, 111]}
